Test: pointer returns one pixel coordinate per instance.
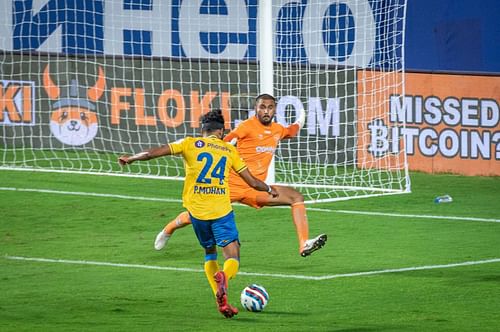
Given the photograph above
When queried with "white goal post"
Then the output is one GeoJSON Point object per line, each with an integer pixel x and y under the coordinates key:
{"type": "Point", "coordinates": [82, 82]}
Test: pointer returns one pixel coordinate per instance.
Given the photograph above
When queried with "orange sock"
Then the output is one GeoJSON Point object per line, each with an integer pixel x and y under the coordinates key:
{"type": "Point", "coordinates": [180, 221]}
{"type": "Point", "coordinates": [300, 220]}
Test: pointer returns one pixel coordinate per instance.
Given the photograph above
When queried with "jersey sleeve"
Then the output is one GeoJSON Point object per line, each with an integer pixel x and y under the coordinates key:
{"type": "Point", "coordinates": [239, 132]}
{"type": "Point", "coordinates": [238, 164]}
{"type": "Point", "coordinates": [290, 131]}
{"type": "Point", "coordinates": [230, 136]}
{"type": "Point", "coordinates": [177, 146]}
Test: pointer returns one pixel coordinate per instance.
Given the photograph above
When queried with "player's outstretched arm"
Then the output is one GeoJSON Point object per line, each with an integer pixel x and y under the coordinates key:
{"type": "Point", "coordinates": [294, 128]}
{"type": "Point", "coordinates": [231, 138]}
{"type": "Point", "coordinates": [256, 183]}
{"type": "Point", "coordinates": [301, 118]}
{"type": "Point", "coordinates": [146, 155]}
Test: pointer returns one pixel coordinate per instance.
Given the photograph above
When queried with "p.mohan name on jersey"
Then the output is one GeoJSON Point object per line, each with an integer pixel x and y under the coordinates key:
{"type": "Point", "coordinates": [212, 190]}
{"type": "Point", "coordinates": [208, 161]}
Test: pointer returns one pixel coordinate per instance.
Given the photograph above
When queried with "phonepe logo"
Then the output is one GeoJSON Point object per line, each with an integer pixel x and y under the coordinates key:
{"type": "Point", "coordinates": [305, 31]}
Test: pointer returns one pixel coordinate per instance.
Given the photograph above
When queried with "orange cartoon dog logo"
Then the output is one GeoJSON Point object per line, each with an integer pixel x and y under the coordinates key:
{"type": "Point", "coordinates": [74, 121]}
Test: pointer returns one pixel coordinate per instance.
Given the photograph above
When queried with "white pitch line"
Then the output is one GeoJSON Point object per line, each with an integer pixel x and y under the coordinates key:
{"type": "Point", "coordinates": [422, 216]}
{"type": "Point", "coordinates": [173, 200]}
{"type": "Point", "coordinates": [409, 269]}
{"type": "Point", "coordinates": [81, 193]}
{"type": "Point", "coordinates": [269, 275]}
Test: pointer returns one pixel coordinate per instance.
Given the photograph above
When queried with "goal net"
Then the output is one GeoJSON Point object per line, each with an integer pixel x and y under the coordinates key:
{"type": "Point", "coordinates": [82, 82]}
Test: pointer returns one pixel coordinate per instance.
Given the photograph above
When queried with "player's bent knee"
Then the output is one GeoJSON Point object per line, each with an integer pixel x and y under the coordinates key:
{"type": "Point", "coordinates": [288, 195]}
{"type": "Point", "coordinates": [297, 197]}
{"type": "Point", "coordinates": [232, 250]}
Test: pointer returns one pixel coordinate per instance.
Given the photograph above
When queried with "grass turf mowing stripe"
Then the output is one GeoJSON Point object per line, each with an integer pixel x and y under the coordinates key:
{"type": "Point", "coordinates": [173, 200]}
{"type": "Point", "coordinates": [271, 275]}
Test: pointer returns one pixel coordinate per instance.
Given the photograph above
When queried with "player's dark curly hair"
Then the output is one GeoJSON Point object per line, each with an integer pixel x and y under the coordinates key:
{"type": "Point", "coordinates": [212, 120]}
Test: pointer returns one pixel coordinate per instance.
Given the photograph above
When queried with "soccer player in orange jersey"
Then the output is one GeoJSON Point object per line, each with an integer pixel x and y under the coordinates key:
{"type": "Point", "coordinates": [256, 141]}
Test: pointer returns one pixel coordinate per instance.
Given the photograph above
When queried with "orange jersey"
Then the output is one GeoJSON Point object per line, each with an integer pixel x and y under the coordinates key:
{"type": "Point", "coordinates": [256, 145]}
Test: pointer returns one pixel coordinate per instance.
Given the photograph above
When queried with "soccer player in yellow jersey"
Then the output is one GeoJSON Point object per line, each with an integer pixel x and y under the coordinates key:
{"type": "Point", "coordinates": [257, 139]}
{"type": "Point", "coordinates": [205, 196]}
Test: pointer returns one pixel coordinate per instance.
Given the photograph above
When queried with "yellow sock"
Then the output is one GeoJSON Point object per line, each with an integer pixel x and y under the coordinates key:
{"type": "Point", "coordinates": [231, 267]}
{"type": "Point", "coordinates": [211, 267]}
{"type": "Point", "coordinates": [301, 225]}
{"type": "Point", "coordinates": [180, 221]}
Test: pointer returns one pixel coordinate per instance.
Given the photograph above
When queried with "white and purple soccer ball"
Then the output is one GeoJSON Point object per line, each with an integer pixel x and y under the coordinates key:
{"type": "Point", "coordinates": [254, 298]}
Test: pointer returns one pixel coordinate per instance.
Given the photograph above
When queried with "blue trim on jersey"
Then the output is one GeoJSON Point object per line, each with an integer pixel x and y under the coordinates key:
{"type": "Point", "coordinates": [221, 231]}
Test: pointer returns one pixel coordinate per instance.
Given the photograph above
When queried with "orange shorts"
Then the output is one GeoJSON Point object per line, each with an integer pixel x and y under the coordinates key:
{"type": "Point", "coordinates": [249, 196]}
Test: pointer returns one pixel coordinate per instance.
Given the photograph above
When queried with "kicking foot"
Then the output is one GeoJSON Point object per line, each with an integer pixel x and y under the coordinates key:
{"type": "Point", "coordinates": [221, 296]}
{"type": "Point", "coordinates": [161, 240]}
{"type": "Point", "coordinates": [228, 310]}
{"type": "Point", "coordinates": [312, 245]}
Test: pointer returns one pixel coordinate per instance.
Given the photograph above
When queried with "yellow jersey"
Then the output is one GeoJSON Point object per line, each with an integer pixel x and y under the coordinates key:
{"type": "Point", "coordinates": [207, 161]}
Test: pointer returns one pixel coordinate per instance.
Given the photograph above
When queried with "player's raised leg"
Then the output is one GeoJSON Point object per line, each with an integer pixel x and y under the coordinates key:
{"type": "Point", "coordinates": [307, 246]}
{"type": "Point", "coordinates": [290, 196]}
{"type": "Point", "coordinates": [299, 217]}
{"type": "Point", "coordinates": [164, 235]}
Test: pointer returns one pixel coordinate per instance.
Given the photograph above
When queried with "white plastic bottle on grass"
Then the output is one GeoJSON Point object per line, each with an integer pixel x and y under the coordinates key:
{"type": "Point", "coordinates": [443, 199]}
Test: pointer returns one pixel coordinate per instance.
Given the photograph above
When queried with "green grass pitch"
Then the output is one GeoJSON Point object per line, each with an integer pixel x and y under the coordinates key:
{"type": "Point", "coordinates": [387, 266]}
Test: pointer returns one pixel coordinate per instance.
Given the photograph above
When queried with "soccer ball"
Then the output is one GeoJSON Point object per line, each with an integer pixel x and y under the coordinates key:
{"type": "Point", "coordinates": [254, 298]}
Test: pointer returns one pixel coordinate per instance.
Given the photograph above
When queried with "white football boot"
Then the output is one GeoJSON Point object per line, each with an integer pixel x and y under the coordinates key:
{"type": "Point", "coordinates": [161, 240]}
{"type": "Point", "coordinates": [312, 245]}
